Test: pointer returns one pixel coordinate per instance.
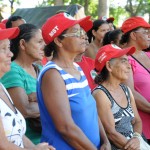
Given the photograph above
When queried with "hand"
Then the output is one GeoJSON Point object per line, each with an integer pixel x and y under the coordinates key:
{"type": "Point", "coordinates": [43, 146]}
{"type": "Point", "coordinates": [32, 97]}
{"type": "Point", "coordinates": [105, 146]}
{"type": "Point", "coordinates": [133, 144]}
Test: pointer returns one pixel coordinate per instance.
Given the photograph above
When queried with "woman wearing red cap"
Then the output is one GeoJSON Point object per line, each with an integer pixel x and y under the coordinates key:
{"type": "Point", "coordinates": [12, 123]}
{"type": "Point", "coordinates": [115, 102]}
{"type": "Point", "coordinates": [68, 110]}
{"type": "Point", "coordinates": [136, 33]}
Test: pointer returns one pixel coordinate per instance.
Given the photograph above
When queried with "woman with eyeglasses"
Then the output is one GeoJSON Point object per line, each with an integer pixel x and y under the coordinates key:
{"type": "Point", "coordinates": [68, 110]}
{"type": "Point", "coordinates": [12, 123]}
{"type": "Point", "coordinates": [136, 33]}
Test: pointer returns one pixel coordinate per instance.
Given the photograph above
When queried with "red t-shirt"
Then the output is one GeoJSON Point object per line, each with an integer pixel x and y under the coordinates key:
{"type": "Point", "coordinates": [87, 65]}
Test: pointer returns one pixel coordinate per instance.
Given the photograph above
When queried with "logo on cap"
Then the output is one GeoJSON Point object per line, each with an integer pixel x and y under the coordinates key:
{"type": "Point", "coordinates": [54, 31]}
{"type": "Point", "coordinates": [102, 57]}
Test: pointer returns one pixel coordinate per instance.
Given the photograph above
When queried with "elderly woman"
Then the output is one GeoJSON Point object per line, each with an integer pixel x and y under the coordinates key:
{"type": "Point", "coordinates": [136, 33]}
{"type": "Point", "coordinates": [20, 81]}
{"type": "Point", "coordinates": [12, 123]}
{"type": "Point", "coordinates": [115, 102]}
{"type": "Point", "coordinates": [68, 110]}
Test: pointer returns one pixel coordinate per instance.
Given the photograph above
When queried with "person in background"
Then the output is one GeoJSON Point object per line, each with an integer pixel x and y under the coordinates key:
{"type": "Point", "coordinates": [68, 110]}
{"type": "Point", "coordinates": [136, 32]}
{"type": "Point", "coordinates": [115, 101]}
{"type": "Point", "coordinates": [12, 123]}
{"type": "Point", "coordinates": [96, 35]}
{"type": "Point", "coordinates": [113, 37]}
{"type": "Point", "coordinates": [14, 21]}
{"type": "Point", "coordinates": [76, 10]}
{"type": "Point", "coordinates": [21, 80]}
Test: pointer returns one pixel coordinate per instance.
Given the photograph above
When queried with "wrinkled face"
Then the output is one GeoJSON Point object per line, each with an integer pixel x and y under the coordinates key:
{"type": "Point", "coordinates": [5, 56]}
{"type": "Point", "coordinates": [100, 33]}
{"type": "Point", "coordinates": [34, 47]}
{"type": "Point", "coordinates": [75, 40]}
{"type": "Point", "coordinates": [142, 37]}
{"type": "Point", "coordinates": [120, 68]}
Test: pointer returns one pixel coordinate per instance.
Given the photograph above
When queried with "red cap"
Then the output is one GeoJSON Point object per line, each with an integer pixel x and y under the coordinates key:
{"type": "Point", "coordinates": [110, 19]}
{"type": "Point", "coordinates": [55, 25]}
{"type": "Point", "coordinates": [108, 52]}
{"type": "Point", "coordinates": [133, 23]}
{"type": "Point", "coordinates": [8, 33]}
{"type": "Point", "coordinates": [4, 21]}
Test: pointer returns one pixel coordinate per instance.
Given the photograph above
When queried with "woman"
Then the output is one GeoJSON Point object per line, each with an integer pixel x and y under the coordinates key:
{"type": "Point", "coordinates": [20, 81]}
{"type": "Point", "coordinates": [68, 111]}
{"type": "Point", "coordinates": [113, 37]}
{"type": "Point", "coordinates": [136, 33]}
{"type": "Point", "coordinates": [12, 123]}
{"type": "Point", "coordinates": [115, 102]}
{"type": "Point", "coordinates": [99, 29]}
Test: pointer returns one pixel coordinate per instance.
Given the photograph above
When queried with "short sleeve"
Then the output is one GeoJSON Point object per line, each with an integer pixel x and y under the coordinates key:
{"type": "Point", "coordinates": [13, 78]}
{"type": "Point", "coordinates": [132, 63]}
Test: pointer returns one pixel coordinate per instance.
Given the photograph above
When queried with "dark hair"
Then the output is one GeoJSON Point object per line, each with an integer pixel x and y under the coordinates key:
{"type": "Point", "coordinates": [126, 37]}
{"type": "Point", "coordinates": [10, 19]}
{"type": "Point", "coordinates": [27, 31]}
{"type": "Point", "coordinates": [102, 76]}
{"type": "Point", "coordinates": [111, 36]}
{"type": "Point", "coordinates": [51, 49]}
{"type": "Point", "coordinates": [96, 25]}
{"type": "Point", "coordinates": [73, 9]}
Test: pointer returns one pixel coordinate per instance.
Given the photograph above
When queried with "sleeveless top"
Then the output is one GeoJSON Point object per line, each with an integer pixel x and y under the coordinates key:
{"type": "Point", "coordinates": [82, 105]}
{"type": "Point", "coordinates": [123, 116]}
{"type": "Point", "coordinates": [13, 122]}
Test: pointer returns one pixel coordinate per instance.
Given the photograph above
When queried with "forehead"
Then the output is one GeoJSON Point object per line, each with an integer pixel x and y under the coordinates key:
{"type": "Point", "coordinates": [4, 42]}
{"type": "Point", "coordinates": [75, 27]}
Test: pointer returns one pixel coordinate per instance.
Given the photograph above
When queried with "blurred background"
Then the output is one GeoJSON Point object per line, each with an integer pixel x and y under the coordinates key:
{"type": "Point", "coordinates": [119, 9]}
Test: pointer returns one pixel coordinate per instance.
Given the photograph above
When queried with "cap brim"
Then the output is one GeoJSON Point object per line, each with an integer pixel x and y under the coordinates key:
{"type": "Point", "coordinates": [9, 33]}
{"type": "Point", "coordinates": [126, 51]}
{"type": "Point", "coordinates": [85, 23]}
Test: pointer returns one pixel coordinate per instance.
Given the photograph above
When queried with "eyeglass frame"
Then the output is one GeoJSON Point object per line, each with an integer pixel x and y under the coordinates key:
{"type": "Point", "coordinates": [79, 33]}
{"type": "Point", "coordinates": [146, 32]}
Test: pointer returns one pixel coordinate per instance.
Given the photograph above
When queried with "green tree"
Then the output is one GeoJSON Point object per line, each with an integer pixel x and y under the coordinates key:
{"type": "Point", "coordinates": [12, 4]}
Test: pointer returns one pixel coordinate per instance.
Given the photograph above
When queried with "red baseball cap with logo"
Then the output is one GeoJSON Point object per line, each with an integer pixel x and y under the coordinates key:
{"type": "Point", "coordinates": [56, 24]}
{"type": "Point", "coordinates": [8, 33]}
{"type": "Point", "coordinates": [108, 52]}
{"type": "Point", "coordinates": [134, 22]}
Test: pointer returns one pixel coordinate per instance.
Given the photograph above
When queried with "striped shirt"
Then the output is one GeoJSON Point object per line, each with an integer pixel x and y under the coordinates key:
{"type": "Point", "coordinates": [82, 105]}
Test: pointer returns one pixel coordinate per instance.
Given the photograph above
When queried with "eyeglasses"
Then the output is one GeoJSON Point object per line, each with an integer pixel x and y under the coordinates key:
{"type": "Point", "coordinates": [80, 33]}
{"type": "Point", "coordinates": [144, 32]}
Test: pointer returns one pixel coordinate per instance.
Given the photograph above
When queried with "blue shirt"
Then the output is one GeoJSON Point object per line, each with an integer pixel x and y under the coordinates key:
{"type": "Point", "coordinates": [83, 109]}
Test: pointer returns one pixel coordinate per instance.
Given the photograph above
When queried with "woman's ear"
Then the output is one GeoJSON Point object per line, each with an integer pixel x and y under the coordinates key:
{"type": "Point", "coordinates": [133, 36]}
{"type": "Point", "coordinates": [22, 44]}
{"type": "Point", "coordinates": [94, 33]}
{"type": "Point", "coordinates": [109, 66]}
{"type": "Point", "coordinates": [58, 42]}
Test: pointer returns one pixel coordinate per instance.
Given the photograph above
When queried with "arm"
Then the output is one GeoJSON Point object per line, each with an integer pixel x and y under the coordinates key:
{"type": "Point", "coordinates": [105, 113]}
{"type": "Point", "coordinates": [21, 101]}
{"type": "Point", "coordinates": [141, 103]}
{"type": "Point", "coordinates": [6, 145]}
{"type": "Point", "coordinates": [105, 141]}
{"type": "Point", "coordinates": [137, 124]}
{"type": "Point", "coordinates": [57, 103]}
